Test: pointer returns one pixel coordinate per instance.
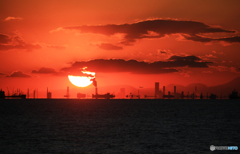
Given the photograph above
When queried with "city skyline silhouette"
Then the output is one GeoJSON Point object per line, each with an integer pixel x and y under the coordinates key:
{"type": "Point", "coordinates": [136, 48]}
{"type": "Point", "coordinates": [177, 91]}
{"type": "Point", "coordinates": [119, 76]}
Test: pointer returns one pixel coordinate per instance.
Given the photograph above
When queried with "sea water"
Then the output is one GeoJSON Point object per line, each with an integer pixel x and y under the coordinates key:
{"type": "Point", "coordinates": [117, 125]}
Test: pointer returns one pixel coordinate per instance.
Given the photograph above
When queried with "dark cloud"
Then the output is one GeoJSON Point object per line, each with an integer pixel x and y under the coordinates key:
{"type": "Point", "coordinates": [108, 46]}
{"type": "Point", "coordinates": [136, 67]}
{"type": "Point", "coordinates": [4, 39]}
{"type": "Point", "coordinates": [234, 69]}
{"type": "Point", "coordinates": [153, 29]}
{"type": "Point", "coordinates": [2, 74]}
{"type": "Point", "coordinates": [190, 61]}
{"type": "Point", "coordinates": [198, 38]}
{"type": "Point", "coordinates": [18, 74]}
{"type": "Point", "coordinates": [15, 42]}
{"type": "Point", "coordinates": [163, 52]}
{"type": "Point", "coordinates": [235, 39]}
{"type": "Point", "coordinates": [44, 70]}
{"type": "Point", "coordinates": [231, 39]}
{"type": "Point", "coordinates": [76, 71]}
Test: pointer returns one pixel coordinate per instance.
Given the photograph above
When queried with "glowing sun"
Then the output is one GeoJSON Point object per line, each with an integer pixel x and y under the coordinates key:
{"type": "Point", "coordinates": [82, 81]}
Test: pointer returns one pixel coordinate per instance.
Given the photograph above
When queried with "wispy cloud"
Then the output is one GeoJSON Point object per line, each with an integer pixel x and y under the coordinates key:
{"type": "Point", "coordinates": [13, 18]}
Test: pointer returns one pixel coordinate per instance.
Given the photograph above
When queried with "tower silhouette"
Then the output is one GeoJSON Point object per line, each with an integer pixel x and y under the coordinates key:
{"type": "Point", "coordinates": [67, 94]}
{"type": "Point", "coordinates": [156, 89]}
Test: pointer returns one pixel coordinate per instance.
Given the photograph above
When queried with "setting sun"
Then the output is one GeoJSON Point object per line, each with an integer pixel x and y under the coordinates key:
{"type": "Point", "coordinates": [80, 81]}
{"type": "Point", "coordinates": [122, 76]}
{"type": "Point", "coordinates": [59, 44]}
{"type": "Point", "coordinates": [83, 80]}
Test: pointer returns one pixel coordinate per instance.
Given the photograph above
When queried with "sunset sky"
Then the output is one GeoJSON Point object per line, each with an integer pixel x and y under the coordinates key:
{"type": "Point", "coordinates": [134, 42]}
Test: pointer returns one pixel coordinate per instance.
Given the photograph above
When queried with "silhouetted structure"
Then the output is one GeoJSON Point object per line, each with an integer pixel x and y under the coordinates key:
{"type": "Point", "coordinates": [80, 95]}
{"type": "Point", "coordinates": [67, 94]}
{"type": "Point", "coordinates": [156, 89]}
{"type": "Point", "coordinates": [193, 96]}
{"type": "Point", "coordinates": [15, 95]}
{"type": "Point", "coordinates": [234, 95]}
{"type": "Point", "coordinates": [168, 96]}
{"type": "Point", "coordinates": [22, 96]}
{"type": "Point", "coordinates": [49, 94]}
{"type": "Point", "coordinates": [182, 95]}
{"type": "Point", "coordinates": [201, 96]}
{"type": "Point", "coordinates": [2, 94]}
{"type": "Point", "coordinates": [35, 92]}
{"type": "Point", "coordinates": [28, 93]}
{"type": "Point", "coordinates": [95, 84]}
{"type": "Point", "coordinates": [106, 96]}
{"type": "Point", "coordinates": [163, 90]}
{"type": "Point", "coordinates": [175, 91]}
{"type": "Point", "coordinates": [213, 96]}
{"type": "Point", "coordinates": [131, 96]}
{"type": "Point", "coordinates": [158, 93]}
{"type": "Point", "coordinates": [173, 95]}
{"type": "Point", "coordinates": [146, 96]}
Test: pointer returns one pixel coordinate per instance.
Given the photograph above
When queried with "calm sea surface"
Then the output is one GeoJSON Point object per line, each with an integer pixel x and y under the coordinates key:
{"type": "Point", "coordinates": [118, 126]}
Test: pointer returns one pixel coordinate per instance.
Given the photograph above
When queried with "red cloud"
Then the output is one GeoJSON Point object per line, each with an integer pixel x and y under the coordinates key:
{"type": "Point", "coordinates": [18, 74]}
{"type": "Point", "coordinates": [15, 42]}
{"type": "Point", "coordinates": [108, 46]}
{"type": "Point", "coordinates": [44, 70]}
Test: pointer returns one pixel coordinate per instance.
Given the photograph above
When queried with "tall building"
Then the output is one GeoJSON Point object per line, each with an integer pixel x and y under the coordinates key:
{"type": "Point", "coordinates": [49, 94]}
{"type": "Point", "coordinates": [175, 91]}
{"type": "Point", "coordinates": [156, 89]}
{"type": "Point", "coordinates": [163, 90]}
{"type": "Point", "coordinates": [67, 94]}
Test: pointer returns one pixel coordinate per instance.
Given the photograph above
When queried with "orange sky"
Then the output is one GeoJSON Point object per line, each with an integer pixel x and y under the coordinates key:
{"type": "Point", "coordinates": [125, 42]}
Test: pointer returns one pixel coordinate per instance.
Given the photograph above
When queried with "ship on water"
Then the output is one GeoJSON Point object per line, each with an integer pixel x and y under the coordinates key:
{"type": "Point", "coordinates": [2, 94]}
{"type": "Point", "coordinates": [234, 95]}
{"type": "Point", "coordinates": [105, 96]}
{"type": "Point", "coordinates": [15, 95]}
{"type": "Point", "coordinates": [212, 96]}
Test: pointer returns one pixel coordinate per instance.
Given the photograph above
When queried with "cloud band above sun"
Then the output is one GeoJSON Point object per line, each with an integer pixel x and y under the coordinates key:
{"type": "Point", "coordinates": [139, 67]}
{"type": "Point", "coordinates": [190, 30]}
